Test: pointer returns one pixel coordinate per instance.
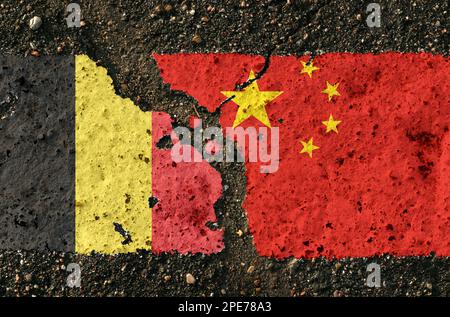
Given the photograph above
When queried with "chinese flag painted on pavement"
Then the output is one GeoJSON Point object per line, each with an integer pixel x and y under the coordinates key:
{"type": "Point", "coordinates": [364, 148]}
{"type": "Point", "coordinates": [81, 169]}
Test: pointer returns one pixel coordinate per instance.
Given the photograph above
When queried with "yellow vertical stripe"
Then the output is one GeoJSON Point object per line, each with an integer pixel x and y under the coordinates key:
{"type": "Point", "coordinates": [113, 166]}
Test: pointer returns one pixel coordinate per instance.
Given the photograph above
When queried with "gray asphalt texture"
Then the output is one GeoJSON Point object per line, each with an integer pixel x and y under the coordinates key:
{"type": "Point", "coordinates": [38, 130]}
{"type": "Point", "coordinates": [121, 35]}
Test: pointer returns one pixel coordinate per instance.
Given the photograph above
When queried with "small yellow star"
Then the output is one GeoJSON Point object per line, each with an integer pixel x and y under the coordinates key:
{"type": "Point", "coordinates": [331, 90]}
{"type": "Point", "coordinates": [252, 102]}
{"type": "Point", "coordinates": [331, 124]}
{"type": "Point", "coordinates": [308, 147]}
{"type": "Point", "coordinates": [308, 68]}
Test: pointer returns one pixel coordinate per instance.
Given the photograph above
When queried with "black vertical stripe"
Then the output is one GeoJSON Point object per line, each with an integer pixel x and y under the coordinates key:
{"type": "Point", "coordinates": [37, 157]}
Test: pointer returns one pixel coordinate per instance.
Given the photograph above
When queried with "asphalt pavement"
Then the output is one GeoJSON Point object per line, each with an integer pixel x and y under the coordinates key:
{"type": "Point", "coordinates": [121, 36]}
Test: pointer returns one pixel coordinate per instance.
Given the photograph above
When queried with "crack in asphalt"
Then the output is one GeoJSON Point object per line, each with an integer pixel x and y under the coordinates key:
{"type": "Point", "coordinates": [311, 13]}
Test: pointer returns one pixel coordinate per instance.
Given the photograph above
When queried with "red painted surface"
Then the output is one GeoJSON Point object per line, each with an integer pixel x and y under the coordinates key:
{"type": "Point", "coordinates": [186, 194]}
{"type": "Point", "coordinates": [381, 185]}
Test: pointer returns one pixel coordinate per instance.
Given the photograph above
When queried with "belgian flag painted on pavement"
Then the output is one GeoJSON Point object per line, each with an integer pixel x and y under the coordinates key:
{"type": "Point", "coordinates": [80, 169]}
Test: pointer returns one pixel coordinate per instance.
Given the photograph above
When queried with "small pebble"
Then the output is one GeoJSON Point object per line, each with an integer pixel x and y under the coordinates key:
{"type": "Point", "coordinates": [292, 265]}
{"type": "Point", "coordinates": [35, 23]}
{"type": "Point", "coordinates": [337, 293]}
{"type": "Point", "coordinates": [197, 39]}
{"type": "Point", "coordinates": [124, 87]}
{"type": "Point", "coordinates": [28, 277]}
{"type": "Point", "coordinates": [190, 279]}
{"type": "Point", "coordinates": [168, 8]}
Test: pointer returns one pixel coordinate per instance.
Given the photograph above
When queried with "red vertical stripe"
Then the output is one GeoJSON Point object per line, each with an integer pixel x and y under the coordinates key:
{"type": "Point", "coordinates": [186, 193]}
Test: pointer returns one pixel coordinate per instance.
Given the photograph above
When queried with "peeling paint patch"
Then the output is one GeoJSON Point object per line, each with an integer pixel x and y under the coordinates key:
{"type": "Point", "coordinates": [125, 234]}
{"type": "Point", "coordinates": [186, 193]}
{"type": "Point", "coordinates": [7, 106]}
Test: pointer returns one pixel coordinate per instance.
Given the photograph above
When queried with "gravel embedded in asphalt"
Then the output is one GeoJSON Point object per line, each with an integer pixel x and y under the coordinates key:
{"type": "Point", "coordinates": [121, 35]}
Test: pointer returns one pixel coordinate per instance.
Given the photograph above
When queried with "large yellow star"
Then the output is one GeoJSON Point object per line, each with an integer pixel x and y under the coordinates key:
{"type": "Point", "coordinates": [308, 147]}
{"type": "Point", "coordinates": [308, 68]}
{"type": "Point", "coordinates": [252, 102]}
{"type": "Point", "coordinates": [331, 124]}
{"type": "Point", "coordinates": [331, 90]}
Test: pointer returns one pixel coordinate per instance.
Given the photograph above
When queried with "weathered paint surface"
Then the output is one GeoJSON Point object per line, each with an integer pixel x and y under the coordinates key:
{"type": "Point", "coordinates": [186, 193]}
{"type": "Point", "coordinates": [121, 174]}
{"type": "Point", "coordinates": [37, 170]}
{"type": "Point", "coordinates": [91, 169]}
{"type": "Point", "coordinates": [375, 182]}
{"type": "Point", "coordinates": [113, 166]}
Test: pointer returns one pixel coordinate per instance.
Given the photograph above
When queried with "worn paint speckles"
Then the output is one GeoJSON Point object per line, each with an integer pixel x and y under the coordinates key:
{"type": "Point", "coordinates": [185, 193]}
{"type": "Point", "coordinates": [113, 165]}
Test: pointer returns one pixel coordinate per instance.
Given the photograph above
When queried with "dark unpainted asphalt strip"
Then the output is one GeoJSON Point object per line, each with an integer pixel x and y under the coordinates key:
{"type": "Point", "coordinates": [121, 35]}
